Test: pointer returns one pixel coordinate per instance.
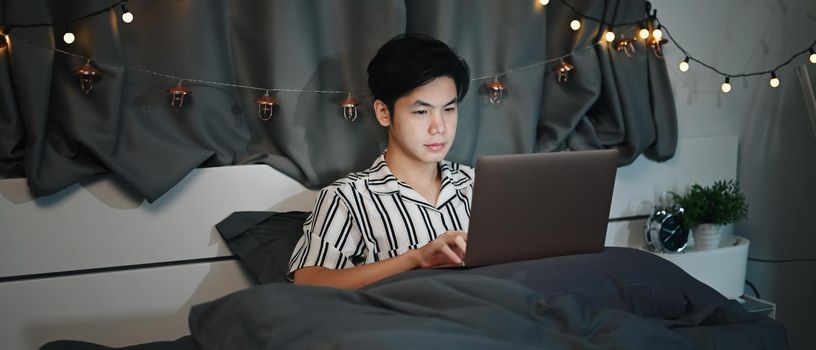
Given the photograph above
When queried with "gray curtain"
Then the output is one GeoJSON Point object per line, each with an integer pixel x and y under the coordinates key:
{"type": "Point", "coordinates": [55, 136]}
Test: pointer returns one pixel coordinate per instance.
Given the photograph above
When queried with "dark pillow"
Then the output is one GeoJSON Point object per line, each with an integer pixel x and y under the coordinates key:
{"type": "Point", "coordinates": [263, 241]}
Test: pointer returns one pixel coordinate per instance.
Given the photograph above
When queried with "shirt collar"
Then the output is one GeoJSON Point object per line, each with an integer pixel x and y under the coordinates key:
{"type": "Point", "coordinates": [382, 181]}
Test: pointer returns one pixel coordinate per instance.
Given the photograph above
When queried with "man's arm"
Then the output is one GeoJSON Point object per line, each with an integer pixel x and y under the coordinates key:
{"type": "Point", "coordinates": [448, 248]}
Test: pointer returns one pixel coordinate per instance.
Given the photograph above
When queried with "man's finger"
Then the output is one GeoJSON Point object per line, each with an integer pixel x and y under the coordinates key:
{"type": "Point", "coordinates": [460, 243]}
{"type": "Point", "coordinates": [450, 254]}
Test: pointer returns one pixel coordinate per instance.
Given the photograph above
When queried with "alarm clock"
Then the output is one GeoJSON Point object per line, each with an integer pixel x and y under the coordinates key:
{"type": "Point", "coordinates": [664, 232]}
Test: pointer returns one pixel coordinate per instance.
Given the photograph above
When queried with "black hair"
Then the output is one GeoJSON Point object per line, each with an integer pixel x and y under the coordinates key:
{"type": "Point", "coordinates": [411, 60]}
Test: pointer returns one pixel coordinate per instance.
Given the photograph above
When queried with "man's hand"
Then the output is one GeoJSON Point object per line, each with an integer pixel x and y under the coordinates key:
{"type": "Point", "coordinates": [447, 249]}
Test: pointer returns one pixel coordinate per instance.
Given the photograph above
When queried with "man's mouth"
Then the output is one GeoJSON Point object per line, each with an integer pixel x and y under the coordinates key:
{"type": "Point", "coordinates": [435, 147]}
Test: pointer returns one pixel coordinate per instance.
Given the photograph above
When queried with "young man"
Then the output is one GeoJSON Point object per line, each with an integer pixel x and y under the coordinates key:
{"type": "Point", "coordinates": [411, 208]}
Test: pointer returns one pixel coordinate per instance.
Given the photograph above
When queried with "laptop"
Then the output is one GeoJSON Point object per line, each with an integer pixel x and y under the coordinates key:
{"type": "Point", "coordinates": [533, 206]}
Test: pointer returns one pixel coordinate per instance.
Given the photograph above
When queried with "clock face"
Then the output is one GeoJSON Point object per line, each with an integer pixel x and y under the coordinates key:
{"type": "Point", "coordinates": [672, 234]}
{"type": "Point", "coordinates": [664, 233]}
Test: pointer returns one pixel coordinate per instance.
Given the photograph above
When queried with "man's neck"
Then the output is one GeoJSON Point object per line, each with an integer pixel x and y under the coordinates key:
{"type": "Point", "coordinates": [415, 173]}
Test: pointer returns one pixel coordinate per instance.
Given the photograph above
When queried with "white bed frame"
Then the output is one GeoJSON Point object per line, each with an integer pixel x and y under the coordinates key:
{"type": "Point", "coordinates": [91, 263]}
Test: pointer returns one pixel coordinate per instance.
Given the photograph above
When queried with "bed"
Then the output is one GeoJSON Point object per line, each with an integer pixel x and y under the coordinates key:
{"type": "Point", "coordinates": [622, 298]}
{"type": "Point", "coordinates": [91, 265]}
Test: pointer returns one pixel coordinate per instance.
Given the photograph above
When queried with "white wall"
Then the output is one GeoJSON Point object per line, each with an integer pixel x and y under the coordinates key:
{"type": "Point", "coordinates": [777, 163]}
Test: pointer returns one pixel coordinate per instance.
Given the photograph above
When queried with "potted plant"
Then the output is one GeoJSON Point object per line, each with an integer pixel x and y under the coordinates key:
{"type": "Point", "coordinates": [708, 208]}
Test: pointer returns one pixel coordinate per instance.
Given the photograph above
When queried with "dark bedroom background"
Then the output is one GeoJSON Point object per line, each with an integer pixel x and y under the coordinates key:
{"type": "Point", "coordinates": [55, 135]}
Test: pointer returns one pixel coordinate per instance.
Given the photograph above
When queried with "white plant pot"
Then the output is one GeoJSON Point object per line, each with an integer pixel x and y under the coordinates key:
{"type": "Point", "coordinates": [707, 236]}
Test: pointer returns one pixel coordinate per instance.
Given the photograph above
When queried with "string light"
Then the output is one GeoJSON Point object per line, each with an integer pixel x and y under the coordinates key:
{"type": "Point", "coordinates": [87, 74]}
{"type": "Point", "coordinates": [69, 36]}
{"type": "Point", "coordinates": [626, 45]}
{"type": "Point", "coordinates": [684, 66]}
{"type": "Point", "coordinates": [774, 82]}
{"type": "Point", "coordinates": [349, 106]}
{"type": "Point", "coordinates": [726, 86]}
{"type": "Point", "coordinates": [654, 39]}
{"type": "Point", "coordinates": [266, 106]}
{"type": "Point", "coordinates": [127, 16]}
{"type": "Point", "coordinates": [177, 94]}
{"type": "Point", "coordinates": [657, 33]}
{"type": "Point", "coordinates": [610, 35]}
{"type": "Point", "coordinates": [575, 24]}
{"type": "Point", "coordinates": [645, 28]}
{"type": "Point", "coordinates": [657, 46]}
{"type": "Point", "coordinates": [644, 33]}
{"type": "Point", "coordinates": [495, 91]}
{"type": "Point", "coordinates": [562, 71]}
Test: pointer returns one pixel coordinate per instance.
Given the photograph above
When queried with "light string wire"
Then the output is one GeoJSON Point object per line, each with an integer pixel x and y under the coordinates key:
{"type": "Point", "coordinates": [665, 29]}
{"type": "Point", "coordinates": [9, 27]}
{"type": "Point", "coordinates": [175, 77]}
{"type": "Point", "coordinates": [603, 23]}
{"type": "Point", "coordinates": [259, 88]}
{"type": "Point", "coordinates": [764, 72]}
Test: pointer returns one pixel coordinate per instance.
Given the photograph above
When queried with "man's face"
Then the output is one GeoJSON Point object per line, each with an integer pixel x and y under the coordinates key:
{"type": "Point", "coordinates": [424, 121]}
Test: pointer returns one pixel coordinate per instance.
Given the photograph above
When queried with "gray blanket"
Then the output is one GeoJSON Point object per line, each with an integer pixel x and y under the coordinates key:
{"type": "Point", "coordinates": [456, 310]}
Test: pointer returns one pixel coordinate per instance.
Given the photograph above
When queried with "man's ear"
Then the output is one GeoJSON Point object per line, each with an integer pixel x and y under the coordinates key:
{"type": "Point", "coordinates": [382, 113]}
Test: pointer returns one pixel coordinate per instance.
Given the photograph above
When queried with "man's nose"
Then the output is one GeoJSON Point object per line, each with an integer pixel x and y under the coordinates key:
{"type": "Point", "coordinates": [437, 125]}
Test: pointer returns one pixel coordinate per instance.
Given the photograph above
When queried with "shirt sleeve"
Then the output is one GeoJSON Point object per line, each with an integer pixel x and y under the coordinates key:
{"type": "Point", "coordinates": [331, 238]}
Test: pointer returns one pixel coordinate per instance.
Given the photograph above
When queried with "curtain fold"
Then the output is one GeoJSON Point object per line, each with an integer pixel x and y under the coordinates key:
{"type": "Point", "coordinates": [55, 136]}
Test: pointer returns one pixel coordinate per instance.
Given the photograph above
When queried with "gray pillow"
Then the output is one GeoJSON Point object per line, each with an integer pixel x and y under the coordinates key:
{"type": "Point", "coordinates": [263, 241]}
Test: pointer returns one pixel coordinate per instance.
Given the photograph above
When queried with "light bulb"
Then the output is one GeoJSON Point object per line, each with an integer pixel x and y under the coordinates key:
{"type": "Point", "coordinates": [644, 33]}
{"type": "Point", "coordinates": [562, 71]}
{"type": "Point", "coordinates": [266, 106]}
{"type": "Point", "coordinates": [177, 94]}
{"type": "Point", "coordinates": [684, 66]}
{"type": "Point", "coordinates": [349, 106]}
{"type": "Point", "coordinates": [495, 91]}
{"type": "Point", "coordinates": [575, 24]}
{"type": "Point", "coordinates": [774, 80]}
{"type": "Point", "coordinates": [68, 37]}
{"type": "Point", "coordinates": [543, 2]}
{"type": "Point", "coordinates": [657, 34]}
{"type": "Point", "coordinates": [812, 56]}
{"type": "Point", "coordinates": [726, 86]}
{"type": "Point", "coordinates": [87, 74]}
{"type": "Point", "coordinates": [127, 17]}
{"type": "Point", "coordinates": [609, 36]}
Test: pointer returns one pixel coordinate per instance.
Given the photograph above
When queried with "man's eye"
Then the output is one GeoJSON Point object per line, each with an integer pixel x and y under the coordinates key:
{"type": "Point", "coordinates": [450, 109]}
{"type": "Point", "coordinates": [421, 112]}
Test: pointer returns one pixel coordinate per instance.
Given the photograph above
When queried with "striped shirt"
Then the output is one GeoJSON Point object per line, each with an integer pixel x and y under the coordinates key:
{"type": "Point", "coordinates": [371, 216]}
